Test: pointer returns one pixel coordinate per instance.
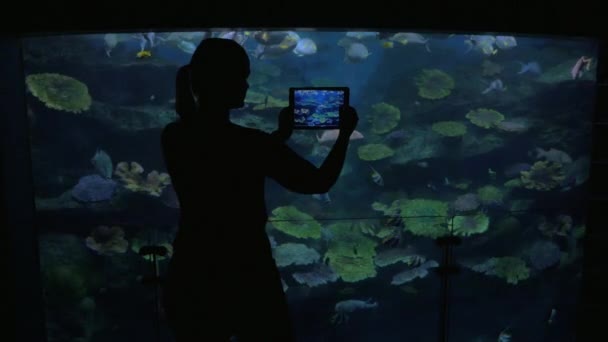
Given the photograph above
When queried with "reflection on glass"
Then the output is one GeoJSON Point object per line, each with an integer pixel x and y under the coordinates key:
{"type": "Point", "coordinates": [521, 279]}
{"type": "Point", "coordinates": [477, 126]}
{"type": "Point", "coordinates": [357, 280]}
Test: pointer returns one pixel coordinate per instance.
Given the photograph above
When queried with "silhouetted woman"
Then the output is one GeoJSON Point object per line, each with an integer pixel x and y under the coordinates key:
{"type": "Point", "coordinates": [222, 279]}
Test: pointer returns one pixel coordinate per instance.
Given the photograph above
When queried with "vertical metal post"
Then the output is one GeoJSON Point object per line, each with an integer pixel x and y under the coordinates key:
{"type": "Point", "coordinates": [22, 278]}
{"type": "Point", "coordinates": [445, 270]}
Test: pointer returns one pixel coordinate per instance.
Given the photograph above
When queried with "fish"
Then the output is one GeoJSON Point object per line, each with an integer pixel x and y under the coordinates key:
{"type": "Point", "coordinates": [305, 47]}
{"type": "Point", "coordinates": [554, 155]}
{"type": "Point", "coordinates": [322, 197]}
{"type": "Point", "coordinates": [144, 54]}
{"type": "Point", "coordinates": [530, 67]}
{"type": "Point", "coordinates": [376, 177]}
{"type": "Point", "coordinates": [362, 35]}
{"type": "Point", "coordinates": [355, 53]}
{"type": "Point", "coordinates": [552, 316]}
{"type": "Point", "coordinates": [186, 46]}
{"type": "Point", "coordinates": [411, 38]}
{"type": "Point", "coordinates": [495, 85]}
{"type": "Point", "coordinates": [504, 336]}
{"type": "Point", "coordinates": [332, 135]}
{"type": "Point", "coordinates": [577, 69]}
{"type": "Point", "coordinates": [506, 42]}
{"type": "Point", "coordinates": [388, 45]}
{"type": "Point", "coordinates": [102, 163]}
{"type": "Point", "coordinates": [483, 43]}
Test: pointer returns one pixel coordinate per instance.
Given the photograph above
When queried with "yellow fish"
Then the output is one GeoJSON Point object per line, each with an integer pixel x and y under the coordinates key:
{"type": "Point", "coordinates": [388, 45]}
{"type": "Point", "coordinates": [144, 54]}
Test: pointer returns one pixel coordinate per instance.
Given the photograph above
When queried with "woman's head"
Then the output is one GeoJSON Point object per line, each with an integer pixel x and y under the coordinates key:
{"type": "Point", "coordinates": [217, 76]}
{"type": "Point", "coordinates": [219, 71]}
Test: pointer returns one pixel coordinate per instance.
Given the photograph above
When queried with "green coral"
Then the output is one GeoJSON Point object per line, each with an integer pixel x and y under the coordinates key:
{"type": "Point", "coordinates": [295, 254]}
{"type": "Point", "coordinates": [384, 118]}
{"type": "Point", "coordinates": [350, 253]}
{"type": "Point", "coordinates": [374, 152]}
{"type": "Point", "coordinates": [424, 217]}
{"type": "Point", "coordinates": [434, 84]}
{"type": "Point", "coordinates": [513, 183]}
{"type": "Point", "coordinates": [484, 117]}
{"type": "Point", "coordinates": [490, 194]}
{"type": "Point", "coordinates": [291, 221]}
{"type": "Point", "coordinates": [469, 224]}
{"type": "Point", "coordinates": [512, 269]}
{"type": "Point", "coordinates": [450, 128]}
{"type": "Point", "coordinates": [543, 175]}
{"type": "Point", "coordinates": [59, 92]}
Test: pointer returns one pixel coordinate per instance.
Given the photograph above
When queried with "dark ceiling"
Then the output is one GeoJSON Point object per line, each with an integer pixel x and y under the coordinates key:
{"type": "Point", "coordinates": [578, 18]}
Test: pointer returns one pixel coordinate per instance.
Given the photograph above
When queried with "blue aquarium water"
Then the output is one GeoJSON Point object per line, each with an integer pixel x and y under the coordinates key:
{"type": "Point", "coordinates": [483, 136]}
{"type": "Point", "coordinates": [317, 108]}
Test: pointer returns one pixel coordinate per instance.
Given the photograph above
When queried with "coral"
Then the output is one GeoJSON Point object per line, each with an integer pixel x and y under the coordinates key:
{"type": "Point", "coordinates": [395, 255]}
{"type": "Point", "coordinates": [131, 176]}
{"type": "Point", "coordinates": [59, 92]}
{"type": "Point", "coordinates": [422, 143]}
{"type": "Point", "coordinates": [434, 84]}
{"type": "Point", "coordinates": [543, 176]}
{"type": "Point", "coordinates": [466, 202]}
{"type": "Point", "coordinates": [295, 254]}
{"type": "Point", "coordinates": [93, 188]}
{"type": "Point", "coordinates": [513, 183]}
{"type": "Point", "coordinates": [291, 221]}
{"type": "Point", "coordinates": [107, 240]}
{"type": "Point", "coordinates": [374, 152]}
{"type": "Point", "coordinates": [321, 274]}
{"type": "Point", "coordinates": [350, 253]}
{"type": "Point", "coordinates": [490, 68]}
{"type": "Point", "coordinates": [484, 117]}
{"type": "Point", "coordinates": [384, 117]}
{"type": "Point", "coordinates": [424, 217]}
{"type": "Point", "coordinates": [473, 145]}
{"type": "Point", "coordinates": [490, 195]}
{"type": "Point", "coordinates": [450, 128]}
{"type": "Point", "coordinates": [470, 224]}
{"type": "Point", "coordinates": [512, 269]}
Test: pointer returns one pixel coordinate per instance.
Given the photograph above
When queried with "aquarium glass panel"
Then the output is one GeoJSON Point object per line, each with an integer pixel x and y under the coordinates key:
{"type": "Point", "coordinates": [484, 136]}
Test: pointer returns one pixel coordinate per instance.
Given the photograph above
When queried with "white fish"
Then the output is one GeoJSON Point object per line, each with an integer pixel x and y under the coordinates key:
{"type": "Point", "coordinates": [495, 85]}
{"type": "Point", "coordinates": [322, 197]}
{"type": "Point", "coordinates": [554, 155]}
{"type": "Point", "coordinates": [102, 163]}
{"type": "Point", "coordinates": [410, 38]}
{"type": "Point", "coordinates": [362, 35]}
{"type": "Point", "coordinates": [356, 52]}
{"type": "Point", "coordinates": [186, 46]}
{"type": "Point", "coordinates": [376, 177]}
{"type": "Point", "coordinates": [530, 67]}
{"type": "Point", "coordinates": [506, 42]}
{"type": "Point", "coordinates": [305, 47]}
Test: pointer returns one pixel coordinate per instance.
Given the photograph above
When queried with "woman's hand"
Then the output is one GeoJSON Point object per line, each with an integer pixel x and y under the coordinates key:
{"type": "Point", "coordinates": [283, 133]}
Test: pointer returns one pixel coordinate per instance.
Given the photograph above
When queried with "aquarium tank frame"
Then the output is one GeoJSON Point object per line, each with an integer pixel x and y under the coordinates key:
{"type": "Point", "coordinates": [22, 289]}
